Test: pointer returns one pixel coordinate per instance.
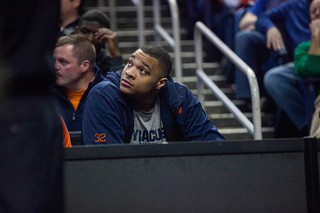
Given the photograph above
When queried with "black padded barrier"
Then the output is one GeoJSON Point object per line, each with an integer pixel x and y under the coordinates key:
{"type": "Point", "coordinates": [76, 138]}
{"type": "Point", "coordinates": [232, 176]}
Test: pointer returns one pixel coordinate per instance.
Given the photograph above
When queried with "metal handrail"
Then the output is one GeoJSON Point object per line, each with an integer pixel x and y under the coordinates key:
{"type": "Point", "coordinates": [140, 19]}
{"type": "Point", "coordinates": [174, 41]}
{"type": "Point", "coordinates": [253, 128]}
{"type": "Point", "coordinates": [111, 11]}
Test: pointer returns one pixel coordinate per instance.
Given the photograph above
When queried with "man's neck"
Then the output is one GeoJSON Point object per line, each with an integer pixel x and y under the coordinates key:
{"type": "Point", "coordinates": [83, 83]}
{"type": "Point", "coordinates": [146, 104]}
{"type": "Point", "coordinates": [67, 21]}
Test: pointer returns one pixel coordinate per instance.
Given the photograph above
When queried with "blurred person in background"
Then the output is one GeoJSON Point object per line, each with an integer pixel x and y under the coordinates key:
{"type": "Point", "coordinates": [31, 134]}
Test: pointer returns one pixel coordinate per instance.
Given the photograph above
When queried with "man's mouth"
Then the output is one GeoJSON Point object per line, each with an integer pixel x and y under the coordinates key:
{"type": "Point", "coordinates": [126, 83]}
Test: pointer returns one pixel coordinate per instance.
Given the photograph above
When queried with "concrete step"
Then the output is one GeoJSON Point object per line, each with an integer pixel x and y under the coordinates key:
{"type": "Point", "coordinates": [217, 107]}
{"type": "Point", "coordinates": [130, 10]}
{"type": "Point", "coordinates": [131, 46]}
{"type": "Point", "coordinates": [228, 119]}
{"type": "Point", "coordinates": [123, 23]}
{"type": "Point", "coordinates": [131, 35]}
{"type": "Point", "coordinates": [243, 134]}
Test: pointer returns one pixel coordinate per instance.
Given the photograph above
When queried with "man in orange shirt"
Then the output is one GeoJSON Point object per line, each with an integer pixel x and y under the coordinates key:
{"type": "Point", "coordinates": [76, 74]}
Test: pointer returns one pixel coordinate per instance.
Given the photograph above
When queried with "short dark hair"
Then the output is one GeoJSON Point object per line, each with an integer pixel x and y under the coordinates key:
{"type": "Point", "coordinates": [83, 49]}
{"type": "Point", "coordinates": [95, 15]}
{"type": "Point", "coordinates": [159, 53]}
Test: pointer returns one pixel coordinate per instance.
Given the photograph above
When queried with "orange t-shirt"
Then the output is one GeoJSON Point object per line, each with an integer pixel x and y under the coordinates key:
{"type": "Point", "coordinates": [74, 96]}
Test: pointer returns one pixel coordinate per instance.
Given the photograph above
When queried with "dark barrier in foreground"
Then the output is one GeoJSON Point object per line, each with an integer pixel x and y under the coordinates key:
{"type": "Point", "coordinates": [235, 176]}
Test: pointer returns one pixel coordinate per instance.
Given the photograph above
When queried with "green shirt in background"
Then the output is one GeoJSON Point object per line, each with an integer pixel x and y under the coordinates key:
{"type": "Point", "coordinates": [306, 65]}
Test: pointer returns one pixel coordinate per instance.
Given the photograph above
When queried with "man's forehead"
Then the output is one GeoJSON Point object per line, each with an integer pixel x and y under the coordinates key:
{"type": "Point", "coordinates": [145, 59]}
{"type": "Point", "coordinates": [91, 25]}
{"type": "Point", "coordinates": [63, 51]}
{"type": "Point", "coordinates": [64, 47]}
{"type": "Point", "coordinates": [139, 52]}
{"type": "Point", "coordinates": [314, 3]}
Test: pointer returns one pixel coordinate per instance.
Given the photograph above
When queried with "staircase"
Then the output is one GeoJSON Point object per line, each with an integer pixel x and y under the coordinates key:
{"type": "Point", "coordinates": [126, 28]}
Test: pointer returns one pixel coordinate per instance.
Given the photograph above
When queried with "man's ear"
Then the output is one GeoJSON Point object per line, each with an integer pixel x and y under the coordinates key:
{"type": "Point", "coordinates": [85, 65]}
{"type": "Point", "coordinates": [161, 83]}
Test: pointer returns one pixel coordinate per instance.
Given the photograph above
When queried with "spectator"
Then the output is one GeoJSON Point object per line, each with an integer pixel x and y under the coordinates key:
{"type": "Point", "coordinates": [248, 21]}
{"type": "Point", "coordinates": [70, 11]}
{"type": "Point", "coordinates": [195, 9]}
{"type": "Point", "coordinates": [142, 104]}
{"type": "Point", "coordinates": [280, 80]}
{"type": "Point", "coordinates": [307, 63]}
{"type": "Point", "coordinates": [217, 16]}
{"type": "Point", "coordinates": [95, 25]}
{"type": "Point", "coordinates": [76, 74]}
{"type": "Point", "coordinates": [250, 46]}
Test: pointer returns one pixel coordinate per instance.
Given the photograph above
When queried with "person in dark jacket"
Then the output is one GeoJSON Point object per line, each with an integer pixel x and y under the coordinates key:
{"type": "Point", "coordinates": [95, 25]}
{"type": "Point", "coordinates": [76, 74]}
{"type": "Point", "coordinates": [70, 12]}
{"type": "Point", "coordinates": [142, 104]}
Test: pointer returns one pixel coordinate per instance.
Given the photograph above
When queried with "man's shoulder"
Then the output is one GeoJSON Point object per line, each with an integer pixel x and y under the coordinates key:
{"type": "Point", "coordinates": [106, 86]}
{"type": "Point", "coordinates": [176, 93]}
{"type": "Point", "coordinates": [177, 86]}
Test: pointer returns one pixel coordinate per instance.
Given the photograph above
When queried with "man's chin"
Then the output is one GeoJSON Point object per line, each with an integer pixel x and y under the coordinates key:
{"type": "Point", "coordinates": [124, 90]}
{"type": "Point", "coordinates": [59, 83]}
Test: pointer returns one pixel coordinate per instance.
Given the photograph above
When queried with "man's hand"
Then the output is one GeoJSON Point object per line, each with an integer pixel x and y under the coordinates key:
{"type": "Point", "coordinates": [104, 35]}
{"type": "Point", "coordinates": [248, 21]}
{"type": "Point", "coordinates": [274, 39]}
{"type": "Point", "coordinates": [315, 27]}
{"type": "Point", "coordinates": [315, 37]}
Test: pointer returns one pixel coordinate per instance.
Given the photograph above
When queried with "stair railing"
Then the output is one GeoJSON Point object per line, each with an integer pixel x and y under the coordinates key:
{"type": "Point", "coordinates": [111, 11]}
{"type": "Point", "coordinates": [174, 41]}
{"type": "Point", "coordinates": [140, 19]}
{"type": "Point", "coordinates": [253, 128]}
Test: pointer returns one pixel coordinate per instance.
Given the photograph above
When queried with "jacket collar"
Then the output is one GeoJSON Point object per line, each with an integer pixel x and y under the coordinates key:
{"type": "Point", "coordinates": [98, 76]}
{"type": "Point", "coordinates": [170, 93]}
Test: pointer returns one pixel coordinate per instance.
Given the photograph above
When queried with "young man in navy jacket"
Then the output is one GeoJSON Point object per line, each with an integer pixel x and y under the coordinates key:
{"type": "Point", "coordinates": [142, 104]}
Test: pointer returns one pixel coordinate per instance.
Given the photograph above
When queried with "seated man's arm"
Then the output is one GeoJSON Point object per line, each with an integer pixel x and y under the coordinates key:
{"type": "Point", "coordinates": [102, 120]}
{"type": "Point", "coordinates": [268, 19]}
{"type": "Point", "coordinates": [266, 25]}
{"type": "Point", "coordinates": [274, 39]}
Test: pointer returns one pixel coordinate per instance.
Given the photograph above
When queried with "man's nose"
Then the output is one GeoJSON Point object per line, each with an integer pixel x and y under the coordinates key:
{"type": "Point", "coordinates": [131, 72]}
{"type": "Point", "coordinates": [56, 66]}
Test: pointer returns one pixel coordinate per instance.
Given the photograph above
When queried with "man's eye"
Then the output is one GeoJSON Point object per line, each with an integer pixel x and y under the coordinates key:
{"type": "Point", "coordinates": [84, 31]}
{"type": "Point", "coordinates": [129, 63]}
{"type": "Point", "coordinates": [63, 62]}
{"type": "Point", "coordinates": [143, 72]}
